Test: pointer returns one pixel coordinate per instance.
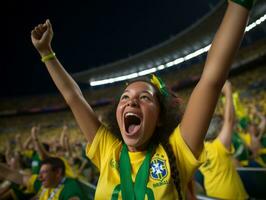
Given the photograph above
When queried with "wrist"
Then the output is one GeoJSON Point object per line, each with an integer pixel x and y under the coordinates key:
{"type": "Point", "coordinates": [48, 57]}
{"type": "Point", "coordinates": [46, 51]}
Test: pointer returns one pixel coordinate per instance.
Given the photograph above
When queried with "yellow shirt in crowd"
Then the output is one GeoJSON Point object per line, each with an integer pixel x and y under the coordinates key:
{"type": "Point", "coordinates": [221, 179]}
{"type": "Point", "coordinates": [105, 151]}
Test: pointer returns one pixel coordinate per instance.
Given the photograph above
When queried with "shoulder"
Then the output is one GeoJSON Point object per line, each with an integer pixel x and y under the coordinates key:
{"type": "Point", "coordinates": [71, 190]}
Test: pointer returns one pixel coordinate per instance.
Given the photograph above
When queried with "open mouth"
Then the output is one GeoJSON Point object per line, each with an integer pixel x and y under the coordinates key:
{"type": "Point", "coordinates": [132, 123]}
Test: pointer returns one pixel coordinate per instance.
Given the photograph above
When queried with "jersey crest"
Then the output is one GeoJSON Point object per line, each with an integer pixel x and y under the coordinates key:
{"type": "Point", "coordinates": [158, 169]}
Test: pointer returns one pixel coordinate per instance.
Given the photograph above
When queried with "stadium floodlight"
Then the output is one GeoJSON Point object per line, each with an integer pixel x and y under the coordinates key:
{"type": "Point", "coordinates": [147, 71]}
{"type": "Point", "coordinates": [160, 67]}
{"type": "Point", "coordinates": [170, 63]}
{"type": "Point", "coordinates": [256, 23]}
{"type": "Point", "coordinates": [194, 54]}
{"type": "Point", "coordinates": [112, 80]}
{"type": "Point", "coordinates": [100, 82]}
{"type": "Point", "coordinates": [126, 77]}
{"type": "Point", "coordinates": [179, 60]}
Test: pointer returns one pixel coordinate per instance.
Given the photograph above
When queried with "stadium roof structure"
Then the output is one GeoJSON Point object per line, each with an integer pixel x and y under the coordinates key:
{"type": "Point", "coordinates": [198, 36]}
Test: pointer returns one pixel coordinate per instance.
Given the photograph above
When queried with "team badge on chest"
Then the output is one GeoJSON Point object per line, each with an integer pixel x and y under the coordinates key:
{"type": "Point", "coordinates": [158, 170]}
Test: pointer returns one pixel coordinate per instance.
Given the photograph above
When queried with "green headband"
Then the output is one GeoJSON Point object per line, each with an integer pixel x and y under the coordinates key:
{"type": "Point", "coordinates": [160, 85]}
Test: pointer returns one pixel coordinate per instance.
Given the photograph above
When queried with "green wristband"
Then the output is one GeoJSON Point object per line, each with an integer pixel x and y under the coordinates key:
{"type": "Point", "coordinates": [48, 57]}
{"type": "Point", "coordinates": [246, 3]}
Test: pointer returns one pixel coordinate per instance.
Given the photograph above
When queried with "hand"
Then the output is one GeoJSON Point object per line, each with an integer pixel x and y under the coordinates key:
{"type": "Point", "coordinates": [227, 87]}
{"type": "Point", "coordinates": [34, 131]}
{"type": "Point", "coordinates": [41, 37]}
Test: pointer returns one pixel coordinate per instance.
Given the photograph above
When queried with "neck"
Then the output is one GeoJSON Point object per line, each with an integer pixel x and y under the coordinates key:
{"type": "Point", "coordinates": [142, 147]}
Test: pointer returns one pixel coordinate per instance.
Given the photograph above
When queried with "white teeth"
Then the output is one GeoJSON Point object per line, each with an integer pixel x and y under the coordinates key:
{"type": "Point", "coordinates": [131, 114]}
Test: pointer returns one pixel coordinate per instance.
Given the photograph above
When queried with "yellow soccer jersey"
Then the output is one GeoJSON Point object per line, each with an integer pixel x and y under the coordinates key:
{"type": "Point", "coordinates": [246, 137]}
{"type": "Point", "coordinates": [105, 151]}
{"type": "Point", "coordinates": [221, 179]}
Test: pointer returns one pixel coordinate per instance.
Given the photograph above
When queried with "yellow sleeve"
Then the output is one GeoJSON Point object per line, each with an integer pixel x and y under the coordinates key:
{"type": "Point", "coordinates": [221, 148]}
{"type": "Point", "coordinates": [69, 170]}
{"type": "Point", "coordinates": [99, 150]}
{"type": "Point", "coordinates": [27, 153]}
{"type": "Point", "coordinates": [186, 160]}
{"type": "Point", "coordinates": [30, 184]}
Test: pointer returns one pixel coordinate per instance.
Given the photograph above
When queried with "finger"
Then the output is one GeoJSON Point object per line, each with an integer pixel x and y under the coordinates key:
{"type": "Point", "coordinates": [34, 35]}
{"type": "Point", "coordinates": [49, 25]}
{"type": "Point", "coordinates": [42, 27]}
{"type": "Point", "coordinates": [37, 34]}
{"type": "Point", "coordinates": [37, 31]}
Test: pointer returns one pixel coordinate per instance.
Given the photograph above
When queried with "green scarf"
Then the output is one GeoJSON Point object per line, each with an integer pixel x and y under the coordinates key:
{"type": "Point", "coordinates": [130, 190]}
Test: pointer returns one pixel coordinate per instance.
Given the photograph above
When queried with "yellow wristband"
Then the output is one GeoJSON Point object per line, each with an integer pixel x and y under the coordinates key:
{"type": "Point", "coordinates": [48, 57]}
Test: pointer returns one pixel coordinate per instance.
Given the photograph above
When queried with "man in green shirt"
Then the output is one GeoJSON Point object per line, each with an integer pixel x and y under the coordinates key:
{"type": "Point", "coordinates": [52, 183]}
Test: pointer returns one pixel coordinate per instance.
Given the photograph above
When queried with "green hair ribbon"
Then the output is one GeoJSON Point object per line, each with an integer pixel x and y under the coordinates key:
{"type": "Point", "coordinates": [157, 82]}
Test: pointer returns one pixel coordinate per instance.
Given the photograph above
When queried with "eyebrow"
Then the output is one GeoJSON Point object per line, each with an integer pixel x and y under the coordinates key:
{"type": "Point", "coordinates": [143, 91]}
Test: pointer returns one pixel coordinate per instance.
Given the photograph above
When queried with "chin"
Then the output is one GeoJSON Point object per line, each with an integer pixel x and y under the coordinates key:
{"type": "Point", "coordinates": [132, 143]}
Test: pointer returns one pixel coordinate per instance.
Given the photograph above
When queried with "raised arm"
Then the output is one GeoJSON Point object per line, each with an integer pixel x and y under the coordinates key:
{"type": "Point", "coordinates": [38, 146]}
{"type": "Point", "coordinates": [27, 142]}
{"type": "Point", "coordinates": [19, 142]}
{"type": "Point", "coordinates": [65, 141]}
{"type": "Point", "coordinates": [262, 124]}
{"type": "Point", "coordinates": [88, 122]}
{"type": "Point", "coordinates": [204, 97]}
{"type": "Point", "coordinates": [62, 137]}
{"type": "Point", "coordinates": [13, 175]}
{"type": "Point", "coordinates": [225, 134]}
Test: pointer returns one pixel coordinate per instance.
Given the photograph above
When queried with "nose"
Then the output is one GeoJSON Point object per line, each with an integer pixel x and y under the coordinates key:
{"type": "Point", "coordinates": [133, 102]}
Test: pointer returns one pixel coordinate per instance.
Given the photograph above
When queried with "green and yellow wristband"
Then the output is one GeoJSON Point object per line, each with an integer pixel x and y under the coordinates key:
{"type": "Point", "coordinates": [48, 57]}
{"type": "Point", "coordinates": [245, 3]}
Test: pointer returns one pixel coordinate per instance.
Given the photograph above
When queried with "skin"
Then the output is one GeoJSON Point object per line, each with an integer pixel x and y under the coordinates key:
{"type": "Point", "coordinates": [49, 178]}
{"type": "Point", "coordinates": [138, 98]}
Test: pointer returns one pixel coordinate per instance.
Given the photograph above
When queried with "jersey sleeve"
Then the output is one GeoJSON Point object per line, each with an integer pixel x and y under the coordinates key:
{"type": "Point", "coordinates": [99, 150]}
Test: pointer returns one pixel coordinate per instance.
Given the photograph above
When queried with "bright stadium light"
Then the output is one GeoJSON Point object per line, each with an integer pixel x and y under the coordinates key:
{"type": "Point", "coordinates": [147, 71]}
{"type": "Point", "coordinates": [170, 63]}
{"type": "Point", "coordinates": [160, 67]}
{"type": "Point", "coordinates": [256, 23]}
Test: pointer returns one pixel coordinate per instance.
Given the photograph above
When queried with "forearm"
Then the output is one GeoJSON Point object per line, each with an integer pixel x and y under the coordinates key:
{"type": "Point", "coordinates": [68, 147]}
{"type": "Point", "coordinates": [11, 175]}
{"type": "Point", "coordinates": [63, 81]}
{"type": "Point", "coordinates": [228, 124]}
{"type": "Point", "coordinates": [262, 124]}
{"type": "Point", "coordinates": [225, 44]}
{"type": "Point", "coordinates": [19, 144]}
{"type": "Point", "coordinates": [71, 92]}
{"type": "Point", "coordinates": [62, 139]}
{"type": "Point", "coordinates": [27, 143]}
{"type": "Point", "coordinates": [40, 149]}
